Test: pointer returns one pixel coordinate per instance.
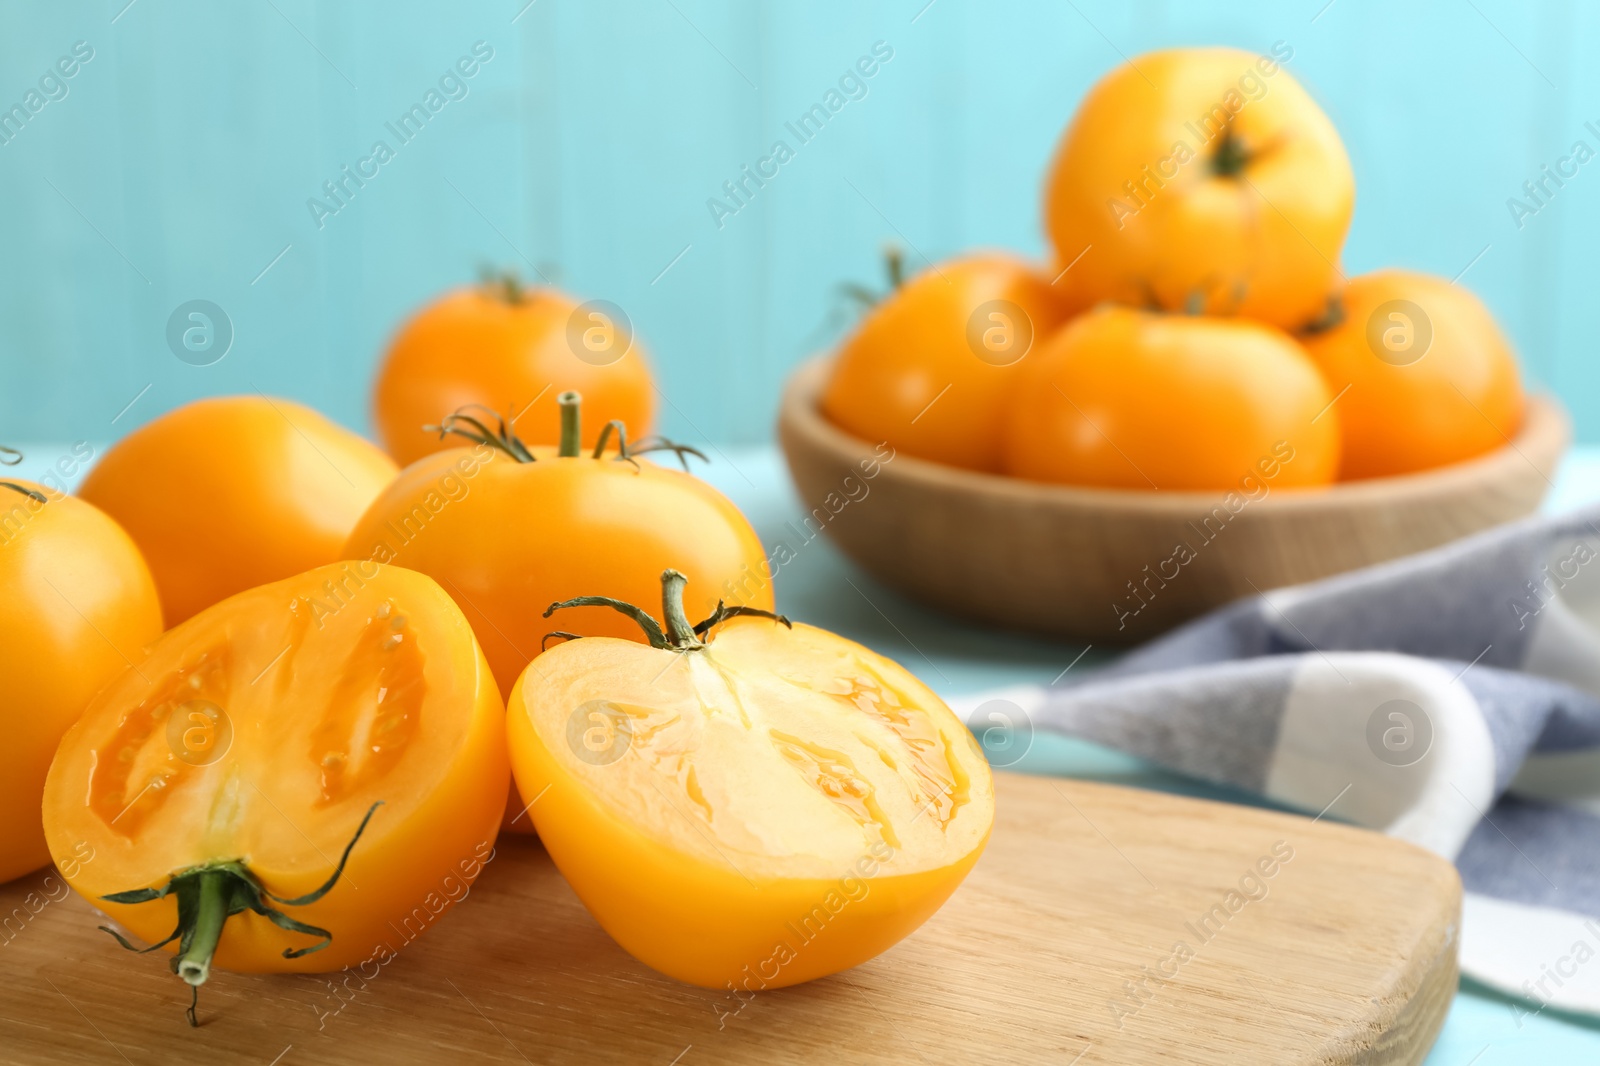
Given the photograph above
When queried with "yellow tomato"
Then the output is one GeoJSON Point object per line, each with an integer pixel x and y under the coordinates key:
{"type": "Point", "coordinates": [931, 367]}
{"type": "Point", "coordinates": [1201, 179]}
{"type": "Point", "coordinates": [1144, 400]}
{"type": "Point", "coordinates": [219, 779]}
{"type": "Point", "coordinates": [772, 806]}
{"type": "Point", "coordinates": [79, 603]}
{"type": "Point", "coordinates": [229, 493]}
{"type": "Point", "coordinates": [508, 530]}
{"type": "Point", "coordinates": [1423, 373]}
{"type": "Point", "coordinates": [501, 344]}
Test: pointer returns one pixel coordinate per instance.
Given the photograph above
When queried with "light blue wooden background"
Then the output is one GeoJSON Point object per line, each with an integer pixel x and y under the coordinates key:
{"type": "Point", "coordinates": [179, 165]}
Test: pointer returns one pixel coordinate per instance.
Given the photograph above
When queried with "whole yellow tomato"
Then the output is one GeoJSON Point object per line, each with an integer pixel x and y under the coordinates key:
{"type": "Point", "coordinates": [79, 605]}
{"type": "Point", "coordinates": [229, 493]}
{"type": "Point", "coordinates": [237, 784]}
{"type": "Point", "coordinates": [508, 530]}
{"type": "Point", "coordinates": [1423, 373]}
{"type": "Point", "coordinates": [501, 345]}
{"type": "Point", "coordinates": [1202, 179]}
{"type": "Point", "coordinates": [742, 804]}
{"type": "Point", "coordinates": [931, 367]}
{"type": "Point", "coordinates": [1146, 400]}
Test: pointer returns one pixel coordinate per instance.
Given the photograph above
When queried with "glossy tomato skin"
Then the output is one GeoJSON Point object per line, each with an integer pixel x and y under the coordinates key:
{"type": "Point", "coordinates": [1427, 376]}
{"type": "Point", "coordinates": [79, 604]}
{"type": "Point", "coordinates": [229, 493]}
{"type": "Point", "coordinates": [284, 655]}
{"type": "Point", "coordinates": [842, 802]}
{"type": "Point", "coordinates": [930, 368]}
{"type": "Point", "coordinates": [1143, 400]}
{"type": "Point", "coordinates": [476, 346]}
{"type": "Point", "coordinates": [1143, 188]}
{"type": "Point", "coordinates": [508, 539]}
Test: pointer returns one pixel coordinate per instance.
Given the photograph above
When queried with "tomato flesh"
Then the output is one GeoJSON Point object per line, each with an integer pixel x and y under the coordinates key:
{"type": "Point", "coordinates": [704, 804]}
{"type": "Point", "coordinates": [262, 730]}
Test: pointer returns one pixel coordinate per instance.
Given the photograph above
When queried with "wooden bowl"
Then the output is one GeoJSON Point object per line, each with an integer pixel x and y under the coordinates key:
{"type": "Point", "coordinates": [1105, 565]}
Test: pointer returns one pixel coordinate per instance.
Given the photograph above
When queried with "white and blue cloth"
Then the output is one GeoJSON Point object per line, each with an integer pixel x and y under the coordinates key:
{"type": "Point", "coordinates": [1450, 699]}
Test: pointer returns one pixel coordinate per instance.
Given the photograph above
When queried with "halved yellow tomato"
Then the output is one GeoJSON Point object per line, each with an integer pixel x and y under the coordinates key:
{"type": "Point", "coordinates": [508, 529]}
{"type": "Point", "coordinates": [220, 778]}
{"type": "Point", "coordinates": [760, 807]}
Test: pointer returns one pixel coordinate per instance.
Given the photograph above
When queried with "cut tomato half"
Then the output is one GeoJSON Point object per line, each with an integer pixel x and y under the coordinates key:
{"type": "Point", "coordinates": [255, 738]}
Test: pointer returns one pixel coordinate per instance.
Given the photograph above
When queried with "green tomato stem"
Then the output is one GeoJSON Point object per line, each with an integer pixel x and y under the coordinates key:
{"type": "Point", "coordinates": [1231, 157]}
{"type": "Point", "coordinates": [211, 912]}
{"type": "Point", "coordinates": [894, 261]}
{"type": "Point", "coordinates": [680, 631]}
{"type": "Point", "coordinates": [679, 634]}
{"type": "Point", "coordinates": [30, 493]}
{"type": "Point", "coordinates": [571, 423]}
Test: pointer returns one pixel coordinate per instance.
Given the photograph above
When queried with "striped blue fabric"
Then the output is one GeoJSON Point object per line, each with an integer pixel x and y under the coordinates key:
{"type": "Point", "coordinates": [1451, 699]}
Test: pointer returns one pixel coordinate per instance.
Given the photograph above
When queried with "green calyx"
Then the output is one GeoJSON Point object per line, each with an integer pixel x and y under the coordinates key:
{"type": "Point", "coordinates": [502, 285]}
{"type": "Point", "coordinates": [678, 634]}
{"type": "Point", "coordinates": [1332, 316]}
{"type": "Point", "coordinates": [503, 438]}
{"type": "Point", "coordinates": [11, 457]}
{"type": "Point", "coordinates": [571, 405]}
{"type": "Point", "coordinates": [209, 894]}
{"type": "Point", "coordinates": [894, 268]}
{"type": "Point", "coordinates": [1230, 158]}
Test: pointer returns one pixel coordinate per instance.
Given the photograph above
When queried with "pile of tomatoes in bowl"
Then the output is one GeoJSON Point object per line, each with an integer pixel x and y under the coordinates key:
{"type": "Point", "coordinates": [1195, 323]}
{"type": "Point", "coordinates": [254, 664]}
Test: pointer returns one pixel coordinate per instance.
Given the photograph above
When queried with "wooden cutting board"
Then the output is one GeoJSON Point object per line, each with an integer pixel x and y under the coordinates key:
{"type": "Point", "coordinates": [1060, 947]}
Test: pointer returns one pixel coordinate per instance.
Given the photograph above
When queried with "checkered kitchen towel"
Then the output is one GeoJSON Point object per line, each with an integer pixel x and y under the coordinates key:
{"type": "Point", "coordinates": [1451, 699]}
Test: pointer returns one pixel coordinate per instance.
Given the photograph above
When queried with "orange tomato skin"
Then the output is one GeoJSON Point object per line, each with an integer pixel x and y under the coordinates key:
{"type": "Point", "coordinates": [79, 604]}
{"type": "Point", "coordinates": [929, 370]}
{"type": "Point", "coordinates": [418, 856]}
{"type": "Point", "coordinates": [472, 346]}
{"type": "Point", "coordinates": [1404, 412]}
{"type": "Point", "coordinates": [225, 494]}
{"type": "Point", "coordinates": [705, 929]}
{"type": "Point", "coordinates": [1143, 400]}
{"type": "Point", "coordinates": [1155, 224]}
{"type": "Point", "coordinates": [508, 539]}
{"type": "Point", "coordinates": [723, 906]}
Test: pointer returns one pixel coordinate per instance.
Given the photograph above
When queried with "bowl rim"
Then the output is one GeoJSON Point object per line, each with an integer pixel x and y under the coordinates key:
{"type": "Point", "coordinates": [1545, 432]}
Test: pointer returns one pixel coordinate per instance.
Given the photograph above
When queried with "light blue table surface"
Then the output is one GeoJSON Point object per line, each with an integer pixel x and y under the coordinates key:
{"type": "Point", "coordinates": [821, 587]}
